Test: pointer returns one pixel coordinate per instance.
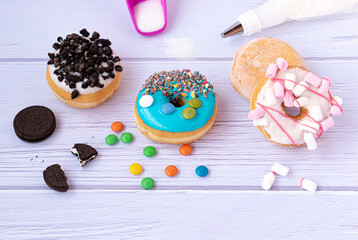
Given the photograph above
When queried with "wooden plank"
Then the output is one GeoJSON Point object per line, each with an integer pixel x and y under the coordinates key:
{"type": "Point", "coordinates": [178, 215]}
{"type": "Point", "coordinates": [29, 30]}
{"type": "Point", "coordinates": [234, 151]}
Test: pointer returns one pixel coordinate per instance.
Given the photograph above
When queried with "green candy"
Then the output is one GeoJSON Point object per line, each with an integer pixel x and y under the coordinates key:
{"type": "Point", "coordinates": [147, 183]}
{"type": "Point", "coordinates": [111, 139]}
{"type": "Point", "coordinates": [194, 103]}
{"type": "Point", "coordinates": [149, 151]}
{"type": "Point", "coordinates": [188, 113]}
{"type": "Point", "coordinates": [126, 137]}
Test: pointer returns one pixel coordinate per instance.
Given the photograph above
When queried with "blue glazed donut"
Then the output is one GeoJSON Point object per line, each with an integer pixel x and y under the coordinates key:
{"type": "Point", "coordinates": [175, 107]}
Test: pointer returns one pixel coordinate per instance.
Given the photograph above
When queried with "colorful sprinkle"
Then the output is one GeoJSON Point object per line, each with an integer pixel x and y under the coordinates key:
{"type": "Point", "coordinates": [126, 137]}
{"type": "Point", "coordinates": [147, 183]}
{"type": "Point", "coordinates": [185, 149]}
{"type": "Point", "coordinates": [111, 139]}
{"type": "Point", "coordinates": [201, 171]}
{"type": "Point", "coordinates": [194, 103]}
{"type": "Point", "coordinates": [167, 108]}
{"type": "Point", "coordinates": [188, 113]}
{"type": "Point", "coordinates": [177, 83]}
{"type": "Point", "coordinates": [171, 171]}
{"type": "Point", "coordinates": [149, 151]}
{"type": "Point", "coordinates": [117, 126]}
{"type": "Point", "coordinates": [135, 169]}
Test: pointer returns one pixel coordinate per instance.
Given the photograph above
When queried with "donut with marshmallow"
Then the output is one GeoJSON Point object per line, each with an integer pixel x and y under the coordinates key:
{"type": "Point", "coordinates": [287, 87]}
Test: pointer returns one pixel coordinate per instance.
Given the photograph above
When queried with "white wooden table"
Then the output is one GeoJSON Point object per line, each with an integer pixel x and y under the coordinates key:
{"type": "Point", "coordinates": [105, 200]}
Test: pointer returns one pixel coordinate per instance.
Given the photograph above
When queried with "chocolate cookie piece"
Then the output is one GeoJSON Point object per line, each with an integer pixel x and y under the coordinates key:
{"type": "Point", "coordinates": [34, 124]}
{"type": "Point", "coordinates": [84, 152]}
{"type": "Point", "coordinates": [55, 178]}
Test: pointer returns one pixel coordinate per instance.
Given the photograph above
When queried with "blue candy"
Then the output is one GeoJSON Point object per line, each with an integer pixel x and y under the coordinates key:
{"type": "Point", "coordinates": [167, 108]}
{"type": "Point", "coordinates": [201, 171]}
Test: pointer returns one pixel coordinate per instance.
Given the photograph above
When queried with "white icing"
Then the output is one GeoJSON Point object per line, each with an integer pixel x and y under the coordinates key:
{"type": "Point", "coordinates": [82, 91]}
{"type": "Point", "coordinates": [292, 128]}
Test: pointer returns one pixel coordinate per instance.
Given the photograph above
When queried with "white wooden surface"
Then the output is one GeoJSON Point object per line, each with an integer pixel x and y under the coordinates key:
{"type": "Point", "coordinates": [106, 201]}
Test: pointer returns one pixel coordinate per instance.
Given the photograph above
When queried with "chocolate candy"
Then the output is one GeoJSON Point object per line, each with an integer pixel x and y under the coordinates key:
{"type": "Point", "coordinates": [147, 183]}
{"type": "Point", "coordinates": [201, 171]}
{"type": "Point", "coordinates": [171, 171]}
{"type": "Point", "coordinates": [188, 113]}
{"type": "Point", "coordinates": [117, 126]}
{"type": "Point", "coordinates": [149, 151]}
{"type": "Point", "coordinates": [111, 139]}
{"type": "Point", "coordinates": [167, 108]}
{"type": "Point", "coordinates": [135, 169]}
{"type": "Point", "coordinates": [126, 137]}
{"type": "Point", "coordinates": [146, 101]}
{"type": "Point", "coordinates": [194, 103]}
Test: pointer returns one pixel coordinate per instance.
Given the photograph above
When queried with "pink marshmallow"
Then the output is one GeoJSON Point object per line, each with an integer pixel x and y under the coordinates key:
{"type": "Point", "coordinates": [279, 90]}
{"type": "Point", "coordinates": [327, 123]}
{"type": "Point", "coordinates": [336, 111]}
{"type": "Point", "coordinates": [326, 83]}
{"type": "Point", "coordinates": [256, 113]}
{"type": "Point", "coordinates": [288, 99]}
{"type": "Point", "coordinates": [281, 63]}
{"type": "Point", "coordinates": [313, 79]}
{"type": "Point", "coordinates": [271, 71]}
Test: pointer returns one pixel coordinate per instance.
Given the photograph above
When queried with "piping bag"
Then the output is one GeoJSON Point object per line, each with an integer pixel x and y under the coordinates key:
{"type": "Point", "coordinates": [275, 12]}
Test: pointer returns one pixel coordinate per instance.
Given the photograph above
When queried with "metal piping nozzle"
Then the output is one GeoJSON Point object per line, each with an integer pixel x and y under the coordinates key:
{"type": "Point", "coordinates": [233, 30]}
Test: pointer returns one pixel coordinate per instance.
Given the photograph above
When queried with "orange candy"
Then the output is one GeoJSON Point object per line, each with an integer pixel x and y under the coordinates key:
{"type": "Point", "coordinates": [117, 126]}
{"type": "Point", "coordinates": [171, 171]}
{"type": "Point", "coordinates": [185, 149]}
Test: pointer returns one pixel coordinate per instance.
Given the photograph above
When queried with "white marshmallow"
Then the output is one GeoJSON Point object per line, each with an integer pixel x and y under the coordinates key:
{"type": "Point", "coordinates": [298, 90]}
{"type": "Point", "coordinates": [146, 101]}
{"type": "Point", "coordinates": [280, 169]}
{"type": "Point", "coordinates": [288, 84]}
{"type": "Point", "coordinates": [339, 100]}
{"type": "Point", "coordinates": [308, 185]}
{"type": "Point", "coordinates": [269, 179]}
{"type": "Point", "coordinates": [260, 122]}
{"type": "Point", "coordinates": [310, 141]}
{"type": "Point", "coordinates": [309, 126]}
{"type": "Point", "coordinates": [316, 113]}
{"type": "Point", "coordinates": [300, 102]}
{"type": "Point", "coordinates": [270, 97]}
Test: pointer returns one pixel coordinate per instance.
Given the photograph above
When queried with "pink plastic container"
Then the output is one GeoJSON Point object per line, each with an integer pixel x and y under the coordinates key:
{"type": "Point", "coordinates": [132, 3]}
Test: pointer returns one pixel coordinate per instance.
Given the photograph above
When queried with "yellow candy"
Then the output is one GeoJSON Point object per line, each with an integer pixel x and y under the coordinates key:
{"type": "Point", "coordinates": [135, 168]}
{"type": "Point", "coordinates": [175, 85]}
{"type": "Point", "coordinates": [193, 94]}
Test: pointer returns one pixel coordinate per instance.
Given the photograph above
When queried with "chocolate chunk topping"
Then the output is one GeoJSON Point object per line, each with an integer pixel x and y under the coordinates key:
{"type": "Point", "coordinates": [84, 32]}
{"type": "Point", "coordinates": [118, 68]}
{"type": "Point", "coordinates": [56, 46]}
{"type": "Point", "coordinates": [95, 35]}
{"type": "Point", "coordinates": [74, 94]}
{"type": "Point", "coordinates": [83, 59]}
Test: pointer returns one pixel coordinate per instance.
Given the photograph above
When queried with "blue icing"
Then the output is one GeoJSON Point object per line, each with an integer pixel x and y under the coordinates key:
{"type": "Point", "coordinates": [174, 122]}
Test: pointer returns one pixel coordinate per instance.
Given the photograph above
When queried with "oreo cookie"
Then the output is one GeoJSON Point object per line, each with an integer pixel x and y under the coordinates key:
{"type": "Point", "coordinates": [55, 178]}
{"type": "Point", "coordinates": [84, 152]}
{"type": "Point", "coordinates": [34, 124]}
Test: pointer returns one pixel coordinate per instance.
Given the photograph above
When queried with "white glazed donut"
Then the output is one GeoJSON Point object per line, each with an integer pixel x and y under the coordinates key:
{"type": "Point", "coordinates": [294, 87]}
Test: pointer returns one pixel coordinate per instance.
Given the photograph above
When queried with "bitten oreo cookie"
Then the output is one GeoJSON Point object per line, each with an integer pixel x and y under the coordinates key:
{"type": "Point", "coordinates": [84, 152]}
{"type": "Point", "coordinates": [34, 124]}
{"type": "Point", "coordinates": [55, 178]}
